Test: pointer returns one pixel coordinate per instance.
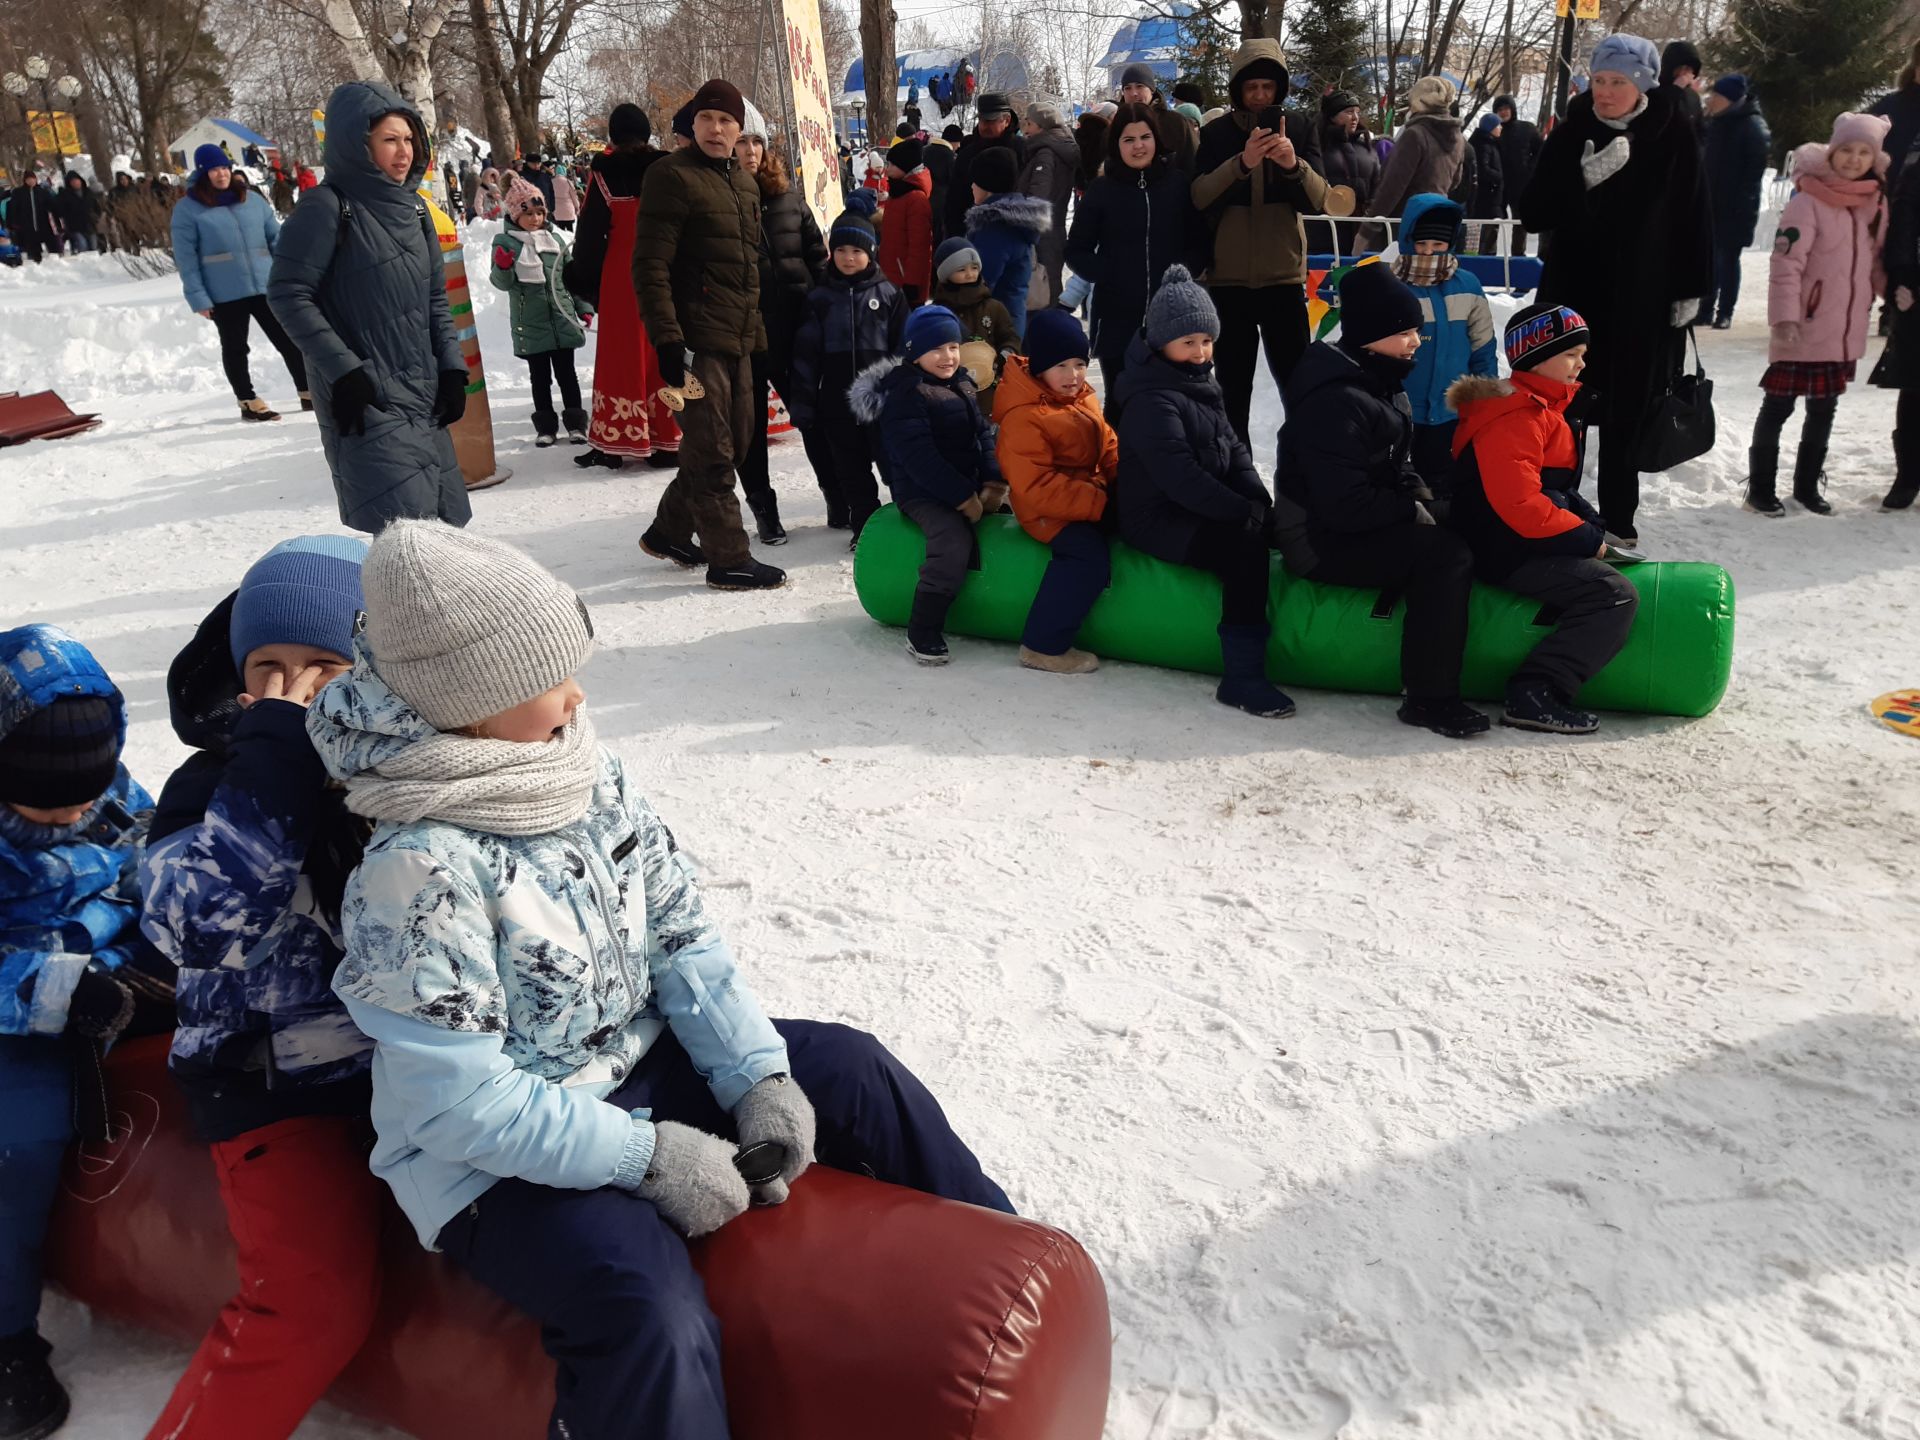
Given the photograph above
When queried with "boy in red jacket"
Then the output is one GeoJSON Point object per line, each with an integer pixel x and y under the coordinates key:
{"type": "Point", "coordinates": [1517, 503]}
{"type": "Point", "coordinates": [906, 231]}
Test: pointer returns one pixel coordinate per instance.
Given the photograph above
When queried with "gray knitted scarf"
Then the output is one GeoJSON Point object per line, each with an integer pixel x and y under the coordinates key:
{"type": "Point", "coordinates": [502, 787]}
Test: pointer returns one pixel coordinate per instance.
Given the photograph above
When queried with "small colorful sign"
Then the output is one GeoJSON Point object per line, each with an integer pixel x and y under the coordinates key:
{"type": "Point", "coordinates": [54, 132]}
{"type": "Point", "coordinates": [816, 151]}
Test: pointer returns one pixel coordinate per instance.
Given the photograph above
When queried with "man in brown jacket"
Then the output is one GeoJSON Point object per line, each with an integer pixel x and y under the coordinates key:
{"type": "Point", "coordinates": [696, 268]}
{"type": "Point", "coordinates": [1253, 188]}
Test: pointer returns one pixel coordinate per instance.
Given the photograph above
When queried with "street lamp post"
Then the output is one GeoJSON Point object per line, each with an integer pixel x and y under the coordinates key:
{"type": "Point", "coordinates": [39, 72]}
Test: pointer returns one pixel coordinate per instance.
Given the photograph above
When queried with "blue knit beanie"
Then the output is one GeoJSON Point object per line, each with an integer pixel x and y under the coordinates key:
{"type": "Point", "coordinates": [1627, 55]}
{"type": "Point", "coordinates": [304, 591]}
{"type": "Point", "coordinates": [927, 327]}
{"type": "Point", "coordinates": [1731, 87]}
{"type": "Point", "coordinates": [852, 228]}
{"type": "Point", "coordinates": [1489, 123]}
{"type": "Point", "coordinates": [1052, 336]}
{"type": "Point", "coordinates": [211, 157]}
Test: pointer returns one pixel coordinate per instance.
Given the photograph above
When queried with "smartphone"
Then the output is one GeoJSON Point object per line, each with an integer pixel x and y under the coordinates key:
{"type": "Point", "coordinates": [1273, 119]}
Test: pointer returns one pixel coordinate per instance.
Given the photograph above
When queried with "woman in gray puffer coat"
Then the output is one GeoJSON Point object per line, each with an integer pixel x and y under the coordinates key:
{"type": "Point", "coordinates": [357, 283]}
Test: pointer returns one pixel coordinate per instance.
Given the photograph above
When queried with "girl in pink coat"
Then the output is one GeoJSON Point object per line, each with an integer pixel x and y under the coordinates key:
{"type": "Point", "coordinates": [1820, 292]}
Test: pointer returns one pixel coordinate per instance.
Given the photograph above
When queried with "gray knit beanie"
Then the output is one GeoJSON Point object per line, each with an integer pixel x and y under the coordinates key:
{"type": "Point", "coordinates": [1180, 307]}
{"type": "Point", "coordinates": [462, 627]}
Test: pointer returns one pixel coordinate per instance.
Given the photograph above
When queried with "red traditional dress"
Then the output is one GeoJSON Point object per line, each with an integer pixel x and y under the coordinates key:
{"type": "Point", "coordinates": [628, 418]}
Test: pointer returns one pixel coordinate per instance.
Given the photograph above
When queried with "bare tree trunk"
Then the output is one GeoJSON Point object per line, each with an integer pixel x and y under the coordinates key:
{"type": "Point", "coordinates": [877, 22]}
{"type": "Point", "coordinates": [1506, 53]}
{"type": "Point", "coordinates": [493, 82]}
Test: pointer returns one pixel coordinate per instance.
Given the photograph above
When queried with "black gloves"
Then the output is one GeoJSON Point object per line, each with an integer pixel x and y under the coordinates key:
{"type": "Point", "coordinates": [100, 1007]}
{"type": "Point", "coordinates": [673, 363]}
{"type": "Point", "coordinates": [450, 398]}
{"type": "Point", "coordinates": [1258, 512]}
{"type": "Point", "coordinates": [352, 398]}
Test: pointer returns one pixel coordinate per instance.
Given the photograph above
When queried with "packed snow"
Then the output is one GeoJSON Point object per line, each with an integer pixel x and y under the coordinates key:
{"type": "Point", "coordinates": [1522, 1087]}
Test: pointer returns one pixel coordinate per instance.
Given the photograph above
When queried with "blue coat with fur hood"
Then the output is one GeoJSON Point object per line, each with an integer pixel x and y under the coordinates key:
{"type": "Point", "coordinates": [511, 982]}
{"type": "Point", "coordinates": [1003, 230]}
{"type": "Point", "coordinates": [935, 441]}
{"type": "Point", "coordinates": [69, 894]}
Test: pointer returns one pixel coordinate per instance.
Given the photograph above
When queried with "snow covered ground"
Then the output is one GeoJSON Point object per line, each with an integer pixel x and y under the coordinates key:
{"type": "Point", "coordinates": [1520, 1088]}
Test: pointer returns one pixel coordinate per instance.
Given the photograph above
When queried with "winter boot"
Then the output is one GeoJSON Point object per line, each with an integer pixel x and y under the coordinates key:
{"type": "Point", "coordinates": [766, 519]}
{"type": "Point", "coordinates": [1906, 478]}
{"type": "Point", "coordinates": [749, 574]}
{"type": "Point", "coordinates": [1808, 463]}
{"type": "Point", "coordinates": [1243, 655]}
{"type": "Point", "coordinates": [925, 621]}
{"type": "Point", "coordinates": [664, 460]}
{"type": "Point", "coordinates": [575, 423]}
{"type": "Point", "coordinates": [589, 458]}
{"type": "Point", "coordinates": [1454, 719]}
{"type": "Point", "coordinates": [686, 555]}
{"type": "Point", "coordinates": [1763, 465]}
{"type": "Point", "coordinates": [33, 1404]}
{"type": "Point", "coordinates": [306, 400]}
{"type": "Point", "coordinates": [546, 425]}
{"type": "Point", "coordinates": [257, 410]}
{"type": "Point", "coordinates": [1068, 662]}
{"type": "Point", "coordinates": [1536, 705]}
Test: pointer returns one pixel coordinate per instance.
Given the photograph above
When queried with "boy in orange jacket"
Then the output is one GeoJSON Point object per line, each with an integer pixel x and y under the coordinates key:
{"type": "Point", "coordinates": [1058, 456]}
{"type": "Point", "coordinates": [1517, 503]}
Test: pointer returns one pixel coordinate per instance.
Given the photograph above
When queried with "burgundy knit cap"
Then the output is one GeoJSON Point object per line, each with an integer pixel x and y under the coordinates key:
{"type": "Point", "coordinates": [721, 95]}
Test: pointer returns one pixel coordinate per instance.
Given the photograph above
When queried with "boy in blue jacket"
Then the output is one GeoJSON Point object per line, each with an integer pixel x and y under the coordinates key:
{"type": "Point", "coordinates": [853, 316]}
{"type": "Point", "coordinates": [243, 874]}
{"type": "Point", "coordinates": [71, 961]}
{"type": "Point", "coordinates": [1457, 336]}
{"type": "Point", "coordinates": [572, 1073]}
{"type": "Point", "coordinates": [938, 457]}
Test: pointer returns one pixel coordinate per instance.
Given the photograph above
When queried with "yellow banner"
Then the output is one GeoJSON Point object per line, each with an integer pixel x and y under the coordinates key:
{"type": "Point", "coordinates": [1586, 9]}
{"type": "Point", "coordinates": [1560, 9]}
{"type": "Point", "coordinates": [54, 131]}
{"type": "Point", "coordinates": [816, 152]}
{"type": "Point", "coordinates": [320, 128]}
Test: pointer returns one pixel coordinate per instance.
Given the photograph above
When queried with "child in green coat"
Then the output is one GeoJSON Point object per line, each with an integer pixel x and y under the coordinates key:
{"type": "Point", "coordinates": [547, 328]}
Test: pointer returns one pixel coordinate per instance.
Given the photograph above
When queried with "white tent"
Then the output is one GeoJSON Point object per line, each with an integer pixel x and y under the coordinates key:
{"type": "Point", "coordinates": [212, 130]}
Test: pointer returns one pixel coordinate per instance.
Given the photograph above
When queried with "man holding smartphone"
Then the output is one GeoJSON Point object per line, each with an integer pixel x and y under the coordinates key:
{"type": "Point", "coordinates": [1253, 187]}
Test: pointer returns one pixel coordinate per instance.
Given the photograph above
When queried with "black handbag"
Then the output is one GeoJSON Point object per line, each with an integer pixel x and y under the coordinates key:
{"type": "Point", "coordinates": [1680, 426]}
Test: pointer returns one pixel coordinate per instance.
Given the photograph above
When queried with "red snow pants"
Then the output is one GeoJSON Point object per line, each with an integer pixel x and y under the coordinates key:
{"type": "Point", "coordinates": [305, 1215]}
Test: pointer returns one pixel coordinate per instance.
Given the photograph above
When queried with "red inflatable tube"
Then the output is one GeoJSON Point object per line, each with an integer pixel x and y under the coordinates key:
{"type": "Point", "coordinates": [855, 1311]}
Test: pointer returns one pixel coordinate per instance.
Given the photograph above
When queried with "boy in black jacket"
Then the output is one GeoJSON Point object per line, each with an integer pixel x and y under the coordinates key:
{"type": "Point", "coordinates": [1186, 488]}
{"type": "Point", "coordinates": [853, 316]}
{"type": "Point", "coordinates": [1349, 509]}
{"type": "Point", "coordinates": [938, 457]}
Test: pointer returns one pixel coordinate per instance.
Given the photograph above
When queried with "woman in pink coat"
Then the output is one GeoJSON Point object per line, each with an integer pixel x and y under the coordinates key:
{"type": "Point", "coordinates": [1820, 292]}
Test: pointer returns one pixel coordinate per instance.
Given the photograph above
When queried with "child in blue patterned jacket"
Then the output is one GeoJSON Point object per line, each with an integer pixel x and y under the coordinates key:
{"type": "Point", "coordinates": [1457, 335]}
{"type": "Point", "coordinates": [566, 1055]}
{"type": "Point", "coordinates": [70, 961]}
{"type": "Point", "coordinates": [244, 871]}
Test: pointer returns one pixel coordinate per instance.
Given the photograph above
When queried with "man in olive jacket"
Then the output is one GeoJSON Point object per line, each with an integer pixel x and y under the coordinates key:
{"type": "Point", "coordinates": [1253, 187]}
{"type": "Point", "coordinates": [696, 269]}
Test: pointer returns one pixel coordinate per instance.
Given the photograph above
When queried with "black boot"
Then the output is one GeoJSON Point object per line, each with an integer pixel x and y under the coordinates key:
{"type": "Point", "coordinates": [749, 574]}
{"type": "Point", "coordinates": [685, 554]}
{"type": "Point", "coordinates": [1763, 466]}
{"type": "Point", "coordinates": [33, 1404]}
{"type": "Point", "coordinates": [927, 619]}
{"type": "Point", "coordinates": [546, 425]}
{"type": "Point", "coordinates": [575, 422]}
{"type": "Point", "coordinates": [590, 457]}
{"type": "Point", "coordinates": [766, 518]}
{"type": "Point", "coordinates": [1536, 705]}
{"type": "Point", "coordinates": [1243, 656]}
{"type": "Point", "coordinates": [1454, 719]}
{"type": "Point", "coordinates": [664, 460]}
{"type": "Point", "coordinates": [1811, 457]}
{"type": "Point", "coordinates": [1906, 475]}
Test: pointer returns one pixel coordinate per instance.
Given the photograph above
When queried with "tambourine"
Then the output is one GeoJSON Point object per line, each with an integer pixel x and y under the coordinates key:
{"type": "Point", "coordinates": [1339, 201]}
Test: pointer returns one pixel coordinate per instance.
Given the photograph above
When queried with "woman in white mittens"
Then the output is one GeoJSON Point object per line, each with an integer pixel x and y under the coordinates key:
{"type": "Point", "coordinates": [567, 1059]}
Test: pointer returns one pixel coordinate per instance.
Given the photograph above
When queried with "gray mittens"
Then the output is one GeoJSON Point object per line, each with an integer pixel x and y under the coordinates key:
{"type": "Point", "coordinates": [1597, 166]}
{"type": "Point", "coordinates": [691, 1179]}
{"type": "Point", "coordinates": [777, 1109]}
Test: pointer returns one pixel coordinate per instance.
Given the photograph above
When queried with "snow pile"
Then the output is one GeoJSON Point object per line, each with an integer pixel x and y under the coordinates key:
{"type": "Point", "coordinates": [1516, 1088]}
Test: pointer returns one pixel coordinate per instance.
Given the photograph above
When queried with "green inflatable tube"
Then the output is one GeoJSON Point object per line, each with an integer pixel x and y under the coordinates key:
{"type": "Point", "coordinates": [1328, 637]}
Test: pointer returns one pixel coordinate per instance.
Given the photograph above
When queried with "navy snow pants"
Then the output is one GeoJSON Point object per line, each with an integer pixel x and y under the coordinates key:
{"type": "Point", "coordinates": [36, 1125]}
{"type": "Point", "coordinates": [1075, 576]}
{"type": "Point", "coordinates": [621, 1309]}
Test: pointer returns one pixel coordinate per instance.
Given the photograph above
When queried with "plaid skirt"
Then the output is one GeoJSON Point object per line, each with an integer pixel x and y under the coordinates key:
{"type": "Point", "coordinates": [1815, 379]}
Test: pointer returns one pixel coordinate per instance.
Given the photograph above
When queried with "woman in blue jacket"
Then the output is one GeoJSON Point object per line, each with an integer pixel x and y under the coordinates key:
{"type": "Point", "coordinates": [223, 241]}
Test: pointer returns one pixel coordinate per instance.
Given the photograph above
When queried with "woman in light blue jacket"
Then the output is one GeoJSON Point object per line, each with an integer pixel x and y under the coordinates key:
{"type": "Point", "coordinates": [223, 240]}
{"type": "Point", "coordinates": [566, 1057]}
